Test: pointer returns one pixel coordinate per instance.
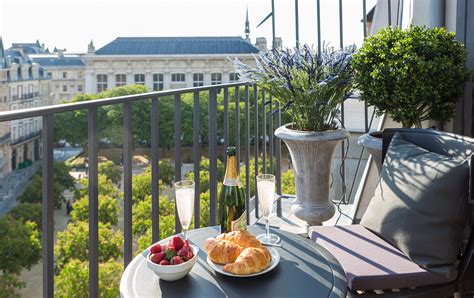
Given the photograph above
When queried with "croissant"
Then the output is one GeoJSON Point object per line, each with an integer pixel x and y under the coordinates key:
{"type": "Point", "coordinates": [251, 260]}
{"type": "Point", "coordinates": [242, 238]}
{"type": "Point", "coordinates": [222, 251]}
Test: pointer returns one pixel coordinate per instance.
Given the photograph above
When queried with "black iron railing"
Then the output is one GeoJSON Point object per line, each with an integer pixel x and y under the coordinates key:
{"type": "Point", "coordinates": [264, 124]}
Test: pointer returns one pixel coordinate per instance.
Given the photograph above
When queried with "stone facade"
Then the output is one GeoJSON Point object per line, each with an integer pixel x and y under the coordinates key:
{"type": "Point", "coordinates": [158, 70]}
{"type": "Point", "coordinates": [23, 85]}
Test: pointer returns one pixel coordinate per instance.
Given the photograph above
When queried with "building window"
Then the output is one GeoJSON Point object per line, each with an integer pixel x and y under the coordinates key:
{"type": "Point", "coordinates": [64, 75]}
{"type": "Point", "coordinates": [20, 92]}
{"type": "Point", "coordinates": [140, 79]}
{"type": "Point", "coordinates": [120, 80]}
{"type": "Point", "coordinates": [64, 88]}
{"type": "Point", "coordinates": [79, 75]}
{"type": "Point", "coordinates": [216, 78]}
{"type": "Point", "coordinates": [79, 88]}
{"type": "Point", "coordinates": [50, 75]}
{"type": "Point", "coordinates": [158, 82]}
{"type": "Point", "coordinates": [233, 77]}
{"type": "Point", "coordinates": [178, 77]}
{"type": "Point", "coordinates": [198, 79]}
{"type": "Point", "coordinates": [101, 82]}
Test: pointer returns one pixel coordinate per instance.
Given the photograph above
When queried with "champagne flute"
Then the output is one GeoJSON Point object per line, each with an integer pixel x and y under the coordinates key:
{"type": "Point", "coordinates": [266, 197]}
{"type": "Point", "coordinates": [184, 191]}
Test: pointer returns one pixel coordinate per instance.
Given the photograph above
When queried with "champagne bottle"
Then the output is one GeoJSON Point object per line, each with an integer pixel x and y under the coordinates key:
{"type": "Point", "coordinates": [232, 197]}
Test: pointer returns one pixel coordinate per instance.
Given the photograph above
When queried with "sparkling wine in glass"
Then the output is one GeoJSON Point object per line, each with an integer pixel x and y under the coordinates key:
{"type": "Point", "coordinates": [266, 198]}
{"type": "Point", "coordinates": [185, 203]}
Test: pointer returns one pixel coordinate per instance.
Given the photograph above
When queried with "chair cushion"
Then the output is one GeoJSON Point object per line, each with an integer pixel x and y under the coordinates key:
{"type": "Point", "coordinates": [420, 205]}
{"type": "Point", "coordinates": [370, 263]}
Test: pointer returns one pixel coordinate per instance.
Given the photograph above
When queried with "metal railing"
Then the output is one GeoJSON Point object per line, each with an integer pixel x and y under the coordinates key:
{"type": "Point", "coordinates": [262, 117]}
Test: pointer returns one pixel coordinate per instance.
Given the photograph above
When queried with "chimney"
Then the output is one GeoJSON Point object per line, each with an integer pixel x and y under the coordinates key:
{"type": "Point", "coordinates": [261, 44]}
{"type": "Point", "coordinates": [60, 53]}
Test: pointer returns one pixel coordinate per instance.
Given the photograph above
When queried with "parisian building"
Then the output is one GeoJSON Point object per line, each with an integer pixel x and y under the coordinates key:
{"type": "Point", "coordinates": [165, 62]}
{"type": "Point", "coordinates": [24, 85]}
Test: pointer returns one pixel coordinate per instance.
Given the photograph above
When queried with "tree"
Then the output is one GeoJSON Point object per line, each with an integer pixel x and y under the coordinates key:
{"type": "Point", "coordinates": [288, 182]}
{"type": "Point", "coordinates": [62, 181]}
{"type": "Point", "coordinates": [109, 169]}
{"type": "Point", "coordinates": [9, 284]}
{"type": "Point", "coordinates": [166, 171]}
{"type": "Point", "coordinates": [73, 243]}
{"type": "Point", "coordinates": [110, 118]}
{"type": "Point", "coordinates": [141, 213]}
{"type": "Point", "coordinates": [20, 246]}
{"type": "Point", "coordinates": [27, 212]}
{"type": "Point", "coordinates": [105, 185]}
{"type": "Point", "coordinates": [73, 280]}
{"type": "Point", "coordinates": [108, 210]}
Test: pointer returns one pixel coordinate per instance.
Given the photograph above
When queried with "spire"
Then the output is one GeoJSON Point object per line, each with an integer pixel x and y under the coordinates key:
{"type": "Point", "coordinates": [90, 47]}
{"type": "Point", "coordinates": [247, 27]}
{"type": "Point", "coordinates": [2, 54]}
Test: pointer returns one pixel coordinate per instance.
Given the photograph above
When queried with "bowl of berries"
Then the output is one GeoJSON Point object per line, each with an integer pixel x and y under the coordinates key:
{"type": "Point", "coordinates": [173, 260]}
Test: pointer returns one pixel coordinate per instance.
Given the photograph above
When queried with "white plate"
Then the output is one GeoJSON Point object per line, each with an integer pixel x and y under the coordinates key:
{"type": "Point", "coordinates": [273, 264]}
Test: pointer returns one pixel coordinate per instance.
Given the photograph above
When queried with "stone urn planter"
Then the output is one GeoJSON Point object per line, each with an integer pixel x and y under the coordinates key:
{"type": "Point", "coordinates": [312, 155]}
{"type": "Point", "coordinates": [372, 142]}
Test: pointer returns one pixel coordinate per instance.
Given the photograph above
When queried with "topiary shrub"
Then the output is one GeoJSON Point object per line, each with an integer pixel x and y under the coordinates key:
{"type": "Point", "coordinates": [413, 74]}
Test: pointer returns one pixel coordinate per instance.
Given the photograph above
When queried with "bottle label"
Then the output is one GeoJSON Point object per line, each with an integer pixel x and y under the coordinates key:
{"type": "Point", "coordinates": [240, 223]}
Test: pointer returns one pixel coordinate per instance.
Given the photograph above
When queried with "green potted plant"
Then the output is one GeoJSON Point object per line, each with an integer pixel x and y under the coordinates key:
{"type": "Point", "coordinates": [413, 74]}
{"type": "Point", "coordinates": [310, 87]}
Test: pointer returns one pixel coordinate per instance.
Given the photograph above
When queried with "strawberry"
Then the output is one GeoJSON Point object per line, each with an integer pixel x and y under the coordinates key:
{"type": "Point", "coordinates": [170, 253]}
{"type": "Point", "coordinates": [159, 256]}
{"type": "Point", "coordinates": [155, 248]}
{"type": "Point", "coordinates": [177, 242]}
{"type": "Point", "coordinates": [183, 251]}
{"type": "Point", "coordinates": [170, 245]}
{"type": "Point", "coordinates": [190, 255]}
{"type": "Point", "coordinates": [176, 260]}
{"type": "Point", "coordinates": [164, 262]}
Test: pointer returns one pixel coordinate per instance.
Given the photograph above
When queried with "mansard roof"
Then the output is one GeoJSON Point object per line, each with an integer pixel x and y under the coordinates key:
{"type": "Point", "coordinates": [177, 46]}
{"type": "Point", "coordinates": [59, 61]}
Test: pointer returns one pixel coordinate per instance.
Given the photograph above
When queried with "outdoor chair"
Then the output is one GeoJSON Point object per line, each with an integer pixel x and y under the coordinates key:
{"type": "Point", "coordinates": [373, 264]}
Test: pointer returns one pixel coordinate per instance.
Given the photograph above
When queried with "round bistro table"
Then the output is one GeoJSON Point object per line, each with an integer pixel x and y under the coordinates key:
{"type": "Point", "coordinates": [305, 270]}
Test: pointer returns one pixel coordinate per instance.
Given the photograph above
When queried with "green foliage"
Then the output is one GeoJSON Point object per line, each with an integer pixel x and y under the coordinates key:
{"type": "Point", "coordinates": [27, 212]}
{"type": "Point", "coordinates": [309, 85]}
{"type": "Point", "coordinates": [110, 118]}
{"type": "Point", "coordinates": [109, 169]}
{"type": "Point", "coordinates": [106, 187]}
{"type": "Point", "coordinates": [73, 280]}
{"type": "Point", "coordinates": [20, 245]}
{"type": "Point", "coordinates": [141, 186]}
{"type": "Point", "coordinates": [166, 171]}
{"type": "Point", "coordinates": [108, 210]}
{"type": "Point", "coordinates": [288, 182]}
{"type": "Point", "coordinates": [141, 213]}
{"type": "Point", "coordinates": [413, 74]}
{"type": "Point", "coordinates": [73, 243]}
{"type": "Point", "coordinates": [62, 181]}
{"type": "Point", "coordinates": [9, 284]}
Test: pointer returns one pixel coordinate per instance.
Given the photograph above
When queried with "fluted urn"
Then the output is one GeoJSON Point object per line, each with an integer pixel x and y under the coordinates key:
{"type": "Point", "coordinates": [312, 155]}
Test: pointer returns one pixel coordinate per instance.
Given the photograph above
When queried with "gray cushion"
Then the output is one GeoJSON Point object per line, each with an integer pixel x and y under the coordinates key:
{"type": "Point", "coordinates": [420, 205]}
{"type": "Point", "coordinates": [370, 263]}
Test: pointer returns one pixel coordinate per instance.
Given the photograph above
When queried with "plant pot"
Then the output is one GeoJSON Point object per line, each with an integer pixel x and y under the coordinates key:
{"type": "Point", "coordinates": [372, 142]}
{"type": "Point", "coordinates": [312, 154]}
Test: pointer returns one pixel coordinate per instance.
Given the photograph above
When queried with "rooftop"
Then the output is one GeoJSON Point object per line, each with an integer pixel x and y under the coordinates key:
{"type": "Point", "coordinates": [177, 46]}
{"type": "Point", "coordinates": [52, 61]}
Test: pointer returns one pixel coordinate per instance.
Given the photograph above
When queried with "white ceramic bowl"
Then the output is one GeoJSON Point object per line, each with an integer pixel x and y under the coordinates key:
{"type": "Point", "coordinates": [173, 272]}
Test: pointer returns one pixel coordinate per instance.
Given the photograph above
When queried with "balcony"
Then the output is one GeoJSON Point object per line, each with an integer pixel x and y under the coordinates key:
{"type": "Point", "coordinates": [252, 135]}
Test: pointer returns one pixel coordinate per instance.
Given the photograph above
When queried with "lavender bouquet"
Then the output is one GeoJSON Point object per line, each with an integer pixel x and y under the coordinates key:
{"type": "Point", "coordinates": [309, 86]}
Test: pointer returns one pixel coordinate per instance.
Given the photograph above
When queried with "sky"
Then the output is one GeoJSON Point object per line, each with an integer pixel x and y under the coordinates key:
{"type": "Point", "coordinates": [72, 24]}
